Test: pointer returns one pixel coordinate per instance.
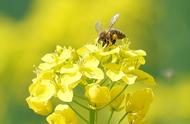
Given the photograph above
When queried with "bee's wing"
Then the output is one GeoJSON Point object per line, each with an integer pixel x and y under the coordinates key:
{"type": "Point", "coordinates": [113, 20]}
{"type": "Point", "coordinates": [98, 26]}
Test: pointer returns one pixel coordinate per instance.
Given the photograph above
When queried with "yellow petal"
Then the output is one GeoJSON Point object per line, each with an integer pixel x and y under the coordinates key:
{"type": "Point", "coordinates": [140, 101]}
{"type": "Point", "coordinates": [129, 79]}
{"type": "Point", "coordinates": [69, 68]}
{"type": "Point", "coordinates": [66, 96]}
{"type": "Point", "coordinates": [140, 52]}
{"type": "Point", "coordinates": [63, 114]}
{"type": "Point", "coordinates": [91, 47]}
{"type": "Point", "coordinates": [66, 53]}
{"type": "Point", "coordinates": [91, 61]}
{"type": "Point", "coordinates": [59, 49]}
{"type": "Point", "coordinates": [144, 77]}
{"type": "Point", "coordinates": [42, 90]}
{"type": "Point", "coordinates": [38, 106]}
{"type": "Point", "coordinates": [93, 72]}
{"type": "Point", "coordinates": [113, 51]}
{"type": "Point", "coordinates": [115, 75]}
{"type": "Point", "coordinates": [49, 58]}
{"type": "Point", "coordinates": [46, 75]}
{"type": "Point", "coordinates": [135, 53]}
{"type": "Point", "coordinates": [70, 79]}
{"type": "Point", "coordinates": [83, 52]}
{"type": "Point", "coordinates": [46, 66]}
{"type": "Point", "coordinates": [97, 95]}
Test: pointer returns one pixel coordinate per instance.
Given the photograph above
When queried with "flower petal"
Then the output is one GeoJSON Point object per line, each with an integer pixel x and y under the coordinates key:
{"type": "Point", "coordinates": [38, 106]}
{"type": "Point", "coordinates": [94, 73]}
{"type": "Point", "coordinates": [91, 61]}
{"type": "Point", "coordinates": [129, 79]}
{"type": "Point", "coordinates": [66, 96]}
{"type": "Point", "coordinates": [43, 90]}
{"type": "Point", "coordinates": [70, 79]}
{"type": "Point", "coordinates": [115, 75]}
{"type": "Point", "coordinates": [144, 77]}
{"type": "Point", "coordinates": [49, 58]}
{"type": "Point", "coordinates": [69, 68]}
{"type": "Point", "coordinates": [63, 114]}
{"type": "Point", "coordinates": [46, 66]}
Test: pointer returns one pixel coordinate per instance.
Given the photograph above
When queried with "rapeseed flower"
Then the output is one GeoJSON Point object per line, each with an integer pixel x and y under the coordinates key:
{"type": "Point", "coordinates": [103, 73]}
{"type": "Point", "coordinates": [138, 104]}
{"type": "Point", "coordinates": [63, 114]}
{"type": "Point", "coordinates": [98, 95]}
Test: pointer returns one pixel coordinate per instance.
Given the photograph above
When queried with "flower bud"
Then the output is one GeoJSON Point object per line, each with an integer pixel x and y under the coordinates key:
{"type": "Point", "coordinates": [97, 95]}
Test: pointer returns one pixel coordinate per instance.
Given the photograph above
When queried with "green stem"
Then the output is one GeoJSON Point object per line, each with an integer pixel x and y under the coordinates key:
{"type": "Point", "coordinates": [81, 97]}
{"type": "Point", "coordinates": [104, 81]}
{"type": "Point", "coordinates": [114, 97]}
{"type": "Point", "coordinates": [113, 84]}
{"type": "Point", "coordinates": [96, 115]}
{"type": "Point", "coordinates": [123, 117]}
{"type": "Point", "coordinates": [109, 120]}
{"type": "Point", "coordinates": [78, 114]}
{"type": "Point", "coordinates": [81, 105]}
{"type": "Point", "coordinates": [92, 116]}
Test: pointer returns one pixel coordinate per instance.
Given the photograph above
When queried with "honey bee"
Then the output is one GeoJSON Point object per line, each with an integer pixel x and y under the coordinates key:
{"type": "Point", "coordinates": [108, 37]}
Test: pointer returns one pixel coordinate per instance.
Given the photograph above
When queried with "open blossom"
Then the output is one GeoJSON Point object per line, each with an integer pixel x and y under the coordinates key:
{"type": "Point", "coordinates": [103, 73]}
{"type": "Point", "coordinates": [38, 106]}
{"type": "Point", "coordinates": [138, 104]}
{"type": "Point", "coordinates": [41, 91]}
{"type": "Point", "coordinates": [63, 114]}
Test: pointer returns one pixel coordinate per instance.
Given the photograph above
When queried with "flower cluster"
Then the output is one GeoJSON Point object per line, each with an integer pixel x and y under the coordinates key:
{"type": "Point", "coordinates": [104, 73]}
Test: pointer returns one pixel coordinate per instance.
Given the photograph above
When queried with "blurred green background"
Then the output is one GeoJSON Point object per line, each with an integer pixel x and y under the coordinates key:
{"type": "Point", "coordinates": [31, 28]}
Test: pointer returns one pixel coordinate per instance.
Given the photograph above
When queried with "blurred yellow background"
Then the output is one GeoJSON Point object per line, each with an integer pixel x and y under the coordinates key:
{"type": "Point", "coordinates": [31, 28]}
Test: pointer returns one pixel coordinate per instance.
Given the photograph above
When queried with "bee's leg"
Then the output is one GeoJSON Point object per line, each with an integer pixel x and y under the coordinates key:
{"type": "Point", "coordinates": [114, 38]}
{"type": "Point", "coordinates": [104, 43]}
{"type": "Point", "coordinates": [113, 41]}
{"type": "Point", "coordinates": [99, 41]}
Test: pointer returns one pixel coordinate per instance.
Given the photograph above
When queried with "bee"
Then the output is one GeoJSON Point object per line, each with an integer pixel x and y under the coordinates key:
{"type": "Point", "coordinates": [110, 36]}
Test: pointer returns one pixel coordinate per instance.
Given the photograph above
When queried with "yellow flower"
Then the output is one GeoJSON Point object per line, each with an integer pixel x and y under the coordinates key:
{"type": "Point", "coordinates": [69, 68]}
{"type": "Point", "coordinates": [66, 54]}
{"type": "Point", "coordinates": [90, 69]}
{"type": "Point", "coordinates": [46, 75]}
{"type": "Point", "coordinates": [97, 95]}
{"type": "Point", "coordinates": [114, 72]}
{"type": "Point", "coordinates": [39, 106]}
{"type": "Point", "coordinates": [114, 50]}
{"type": "Point", "coordinates": [115, 105]}
{"type": "Point", "coordinates": [68, 83]}
{"type": "Point", "coordinates": [138, 104]}
{"type": "Point", "coordinates": [63, 114]}
{"type": "Point", "coordinates": [135, 118]}
{"type": "Point", "coordinates": [143, 76]}
{"type": "Point", "coordinates": [64, 69]}
{"type": "Point", "coordinates": [129, 79]}
{"type": "Point", "coordinates": [134, 53]}
{"type": "Point", "coordinates": [89, 49]}
{"type": "Point", "coordinates": [70, 80]}
{"type": "Point", "coordinates": [65, 95]}
{"type": "Point", "coordinates": [52, 60]}
{"type": "Point", "coordinates": [42, 89]}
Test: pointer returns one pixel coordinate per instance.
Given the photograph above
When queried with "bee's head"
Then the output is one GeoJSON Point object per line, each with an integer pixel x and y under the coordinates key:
{"type": "Point", "coordinates": [102, 36]}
